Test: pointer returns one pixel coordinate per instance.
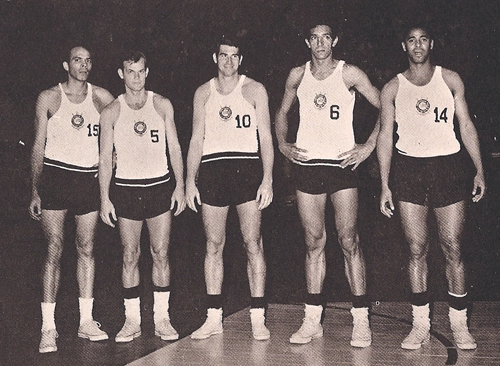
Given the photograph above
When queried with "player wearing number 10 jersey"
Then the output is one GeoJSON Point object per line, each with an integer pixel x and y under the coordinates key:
{"type": "Point", "coordinates": [231, 154]}
{"type": "Point", "coordinates": [325, 145]}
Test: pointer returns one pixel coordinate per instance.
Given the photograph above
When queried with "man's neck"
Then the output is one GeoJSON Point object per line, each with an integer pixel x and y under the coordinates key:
{"type": "Point", "coordinates": [227, 83]}
{"type": "Point", "coordinates": [135, 98]}
{"type": "Point", "coordinates": [76, 87]}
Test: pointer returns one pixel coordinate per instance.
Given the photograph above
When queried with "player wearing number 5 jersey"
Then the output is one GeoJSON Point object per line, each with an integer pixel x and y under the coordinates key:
{"type": "Point", "coordinates": [429, 176]}
{"type": "Point", "coordinates": [63, 172]}
{"type": "Point", "coordinates": [325, 146]}
{"type": "Point", "coordinates": [140, 126]}
{"type": "Point", "coordinates": [230, 162]}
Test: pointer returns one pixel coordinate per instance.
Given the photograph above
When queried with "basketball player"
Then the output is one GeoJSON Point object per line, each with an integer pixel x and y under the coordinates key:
{"type": "Point", "coordinates": [63, 174]}
{"type": "Point", "coordinates": [231, 151]}
{"type": "Point", "coordinates": [326, 158]}
{"type": "Point", "coordinates": [140, 126]}
{"type": "Point", "coordinates": [429, 176]}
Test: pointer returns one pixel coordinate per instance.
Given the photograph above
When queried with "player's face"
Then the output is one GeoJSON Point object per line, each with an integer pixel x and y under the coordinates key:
{"type": "Point", "coordinates": [418, 45]}
{"type": "Point", "coordinates": [228, 60]}
{"type": "Point", "coordinates": [79, 64]}
{"type": "Point", "coordinates": [134, 74]}
{"type": "Point", "coordinates": [321, 42]}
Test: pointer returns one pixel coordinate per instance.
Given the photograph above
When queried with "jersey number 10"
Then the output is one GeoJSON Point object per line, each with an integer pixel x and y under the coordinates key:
{"type": "Point", "coordinates": [243, 121]}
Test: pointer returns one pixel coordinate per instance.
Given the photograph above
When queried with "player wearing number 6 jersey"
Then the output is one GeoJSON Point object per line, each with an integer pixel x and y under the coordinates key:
{"type": "Point", "coordinates": [63, 172]}
{"type": "Point", "coordinates": [324, 147]}
{"type": "Point", "coordinates": [230, 162]}
{"type": "Point", "coordinates": [429, 175]}
{"type": "Point", "coordinates": [140, 126]}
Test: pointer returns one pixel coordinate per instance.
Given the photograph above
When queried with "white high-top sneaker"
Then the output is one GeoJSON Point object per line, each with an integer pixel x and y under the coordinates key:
{"type": "Point", "coordinates": [259, 329]}
{"type": "Point", "coordinates": [458, 322]}
{"type": "Point", "coordinates": [311, 327]}
{"type": "Point", "coordinates": [420, 332]}
{"type": "Point", "coordinates": [212, 326]}
{"type": "Point", "coordinates": [361, 333]}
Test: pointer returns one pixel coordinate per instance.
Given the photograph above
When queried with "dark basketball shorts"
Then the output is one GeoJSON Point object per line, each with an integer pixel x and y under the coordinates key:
{"type": "Point", "coordinates": [230, 181]}
{"type": "Point", "coordinates": [61, 189]}
{"type": "Point", "coordinates": [323, 179]}
{"type": "Point", "coordinates": [140, 203]}
{"type": "Point", "coordinates": [435, 182]}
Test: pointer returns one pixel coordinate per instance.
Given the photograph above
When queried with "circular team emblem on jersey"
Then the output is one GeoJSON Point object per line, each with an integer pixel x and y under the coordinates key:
{"type": "Point", "coordinates": [423, 106]}
{"type": "Point", "coordinates": [225, 113]}
{"type": "Point", "coordinates": [140, 128]}
{"type": "Point", "coordinates": [320, 101]}
{"type": "Point", "coordinates": [77, 121]}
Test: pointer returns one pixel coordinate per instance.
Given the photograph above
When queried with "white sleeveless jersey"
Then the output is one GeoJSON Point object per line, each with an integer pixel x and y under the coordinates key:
{"type": "Point", "coordinates": [325, 109]}
{"type": "Point", "coordinates": [73, 135]}
{"type": "Point", "coordinates": [424, 117]}
{"type": "Point", "coordinates": [230, 126]}
{"type": "Point", "coordinates": [140, 143]}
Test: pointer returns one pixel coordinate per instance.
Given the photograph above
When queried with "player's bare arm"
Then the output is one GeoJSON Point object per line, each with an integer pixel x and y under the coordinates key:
{"type": "Point", "coordinates": [196, 146]}
{"type": "Point", "coordinates": [166, 110]}
{"type": "Point", "coordinates": [289, 150]}
{"type": "Point", "coordinates": [355, 78]}
{"type": "Point", "coordinates": [47, 104]}
{"type": "Point", "coordinates": [107, 120]}
{"type": "Point", "coordinates": [101, 98]}
{"type": "Point", "coordinates": [255, 92]}
{"type": "Point", "coordinates": [468, 131]}
{"type": "Point", "coordinates": [385, 143]}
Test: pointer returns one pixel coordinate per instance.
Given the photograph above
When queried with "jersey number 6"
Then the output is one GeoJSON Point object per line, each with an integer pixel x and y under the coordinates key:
{"type": "Point", "coordinates": [334, 112]}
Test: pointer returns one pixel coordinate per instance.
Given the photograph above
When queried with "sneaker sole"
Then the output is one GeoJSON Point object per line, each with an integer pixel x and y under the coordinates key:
{"type": "Point", "coordinates": [306, 340]}
{"type": "Point", "coordinates": [130, 338]}
{"type": "Point", "coordinates": [467, 346]}
{"type": "Point", "coordinates": [48, 349]}
{"type": "Point", "coordinates": [262, 337]}
{"type": "Point", "coordinates": [207, 335]}
{"type": "Point", "coordinates": [93, 338]}
{"type": "Point", "coordinates": [414, 346]}
{"type": "Point", "coordinates": [361, 344]}
{"type": "Point", "coordinates": [172, 337]}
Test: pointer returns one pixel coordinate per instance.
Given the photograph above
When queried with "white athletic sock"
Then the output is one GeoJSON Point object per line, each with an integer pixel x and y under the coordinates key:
{"type": "Point", "coordinates": [48, 318]}
{"type": "Point", "coordinates": [86, 306]}
{"type": "Point", "coordinates": [133, 309]}
{"type": "Point", "coordinates": [160, 307]}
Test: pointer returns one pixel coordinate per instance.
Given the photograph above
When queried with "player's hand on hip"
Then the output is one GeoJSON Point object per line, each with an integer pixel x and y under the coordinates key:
{"type": "Point", "coordinates": [107, 213]}
{"type": "Point", "coordinates": [479, 187]}
{"type": "Point", "coordinates": [355, 156]}
{"type": "Point", "coordinates": [292, 152]}
{"type": "Point", "coordinates": [264, 195]}
{"type": "Point", "coordinates": [178, 200]}
{"type": "Point", "coordinates": [36, 208]}
{"type": "Point", "coordinates": [192, 196]}
{"type": "Point", "coordinates": [386, 203]}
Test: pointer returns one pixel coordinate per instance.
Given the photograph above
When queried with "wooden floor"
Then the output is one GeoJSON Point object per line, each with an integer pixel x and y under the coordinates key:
{"type": "Point", "coordinates": [390, 322]}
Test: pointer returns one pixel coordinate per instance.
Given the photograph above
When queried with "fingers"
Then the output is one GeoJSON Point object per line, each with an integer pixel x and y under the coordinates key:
{"type": "Point", "coordinates": [478, 192]}
{"type": "Point", "coordinates": [264, 198]}
{"type": "Point", "coordinates": [35, 212]}
{"type": "Point", "coordinates": [194, 201]}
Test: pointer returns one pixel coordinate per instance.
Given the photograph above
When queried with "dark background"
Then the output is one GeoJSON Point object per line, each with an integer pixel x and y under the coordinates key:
{"type": "Point", "coordinates": [179, 38]}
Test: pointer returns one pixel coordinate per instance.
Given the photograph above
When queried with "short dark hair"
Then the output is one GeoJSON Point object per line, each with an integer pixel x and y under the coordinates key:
{"type": "Point", "coordinates": [133, 56]}
{"type": "Point", "coordinates": [416, 25]}
{"type": "Point", "coordinates": [68, 54]}
{"type": "Point", "coordinates": [313, 23]}
{"type": "Point", "coordinates": [233, 41]}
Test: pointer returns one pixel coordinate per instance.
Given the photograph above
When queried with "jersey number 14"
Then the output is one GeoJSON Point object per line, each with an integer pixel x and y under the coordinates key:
{"type": "Point", "coordinates": [440, 116]}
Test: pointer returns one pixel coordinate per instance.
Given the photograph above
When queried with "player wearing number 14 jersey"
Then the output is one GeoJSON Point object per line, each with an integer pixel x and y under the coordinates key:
{"type": "Point", "coordinates": [324, 147]}
{"type": "Point", "coordinates": [429, 176]}
{"type": "Point", "coordinates": [230, 163]}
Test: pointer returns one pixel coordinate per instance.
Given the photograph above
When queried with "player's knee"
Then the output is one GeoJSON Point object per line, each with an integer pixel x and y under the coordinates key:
{"type": "Point", "coordinates": [85, 248]}
{"type": "Point", "coordinates": [349, 244]}
{"type": "Point", "coordinates": [131, 257]}
{"type": "Point", "coordinates": [315, 233]}
{"type": "Point", "coordinates": [215, 246]}
{"type": "Point", "coordinates": [452, 252]}
{"type": "Point", "coordinates": [159, 254]}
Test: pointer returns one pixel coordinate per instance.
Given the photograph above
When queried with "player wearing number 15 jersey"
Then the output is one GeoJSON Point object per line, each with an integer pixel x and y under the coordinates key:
{"type": "Point", "coordinates": [230, 162]}
{"type": "Point", "coordinates": [140, 126]}
{"type": "Point", "coordinates": [63, 171]}
{"type": "Point", "coordinates": [324, 146]}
